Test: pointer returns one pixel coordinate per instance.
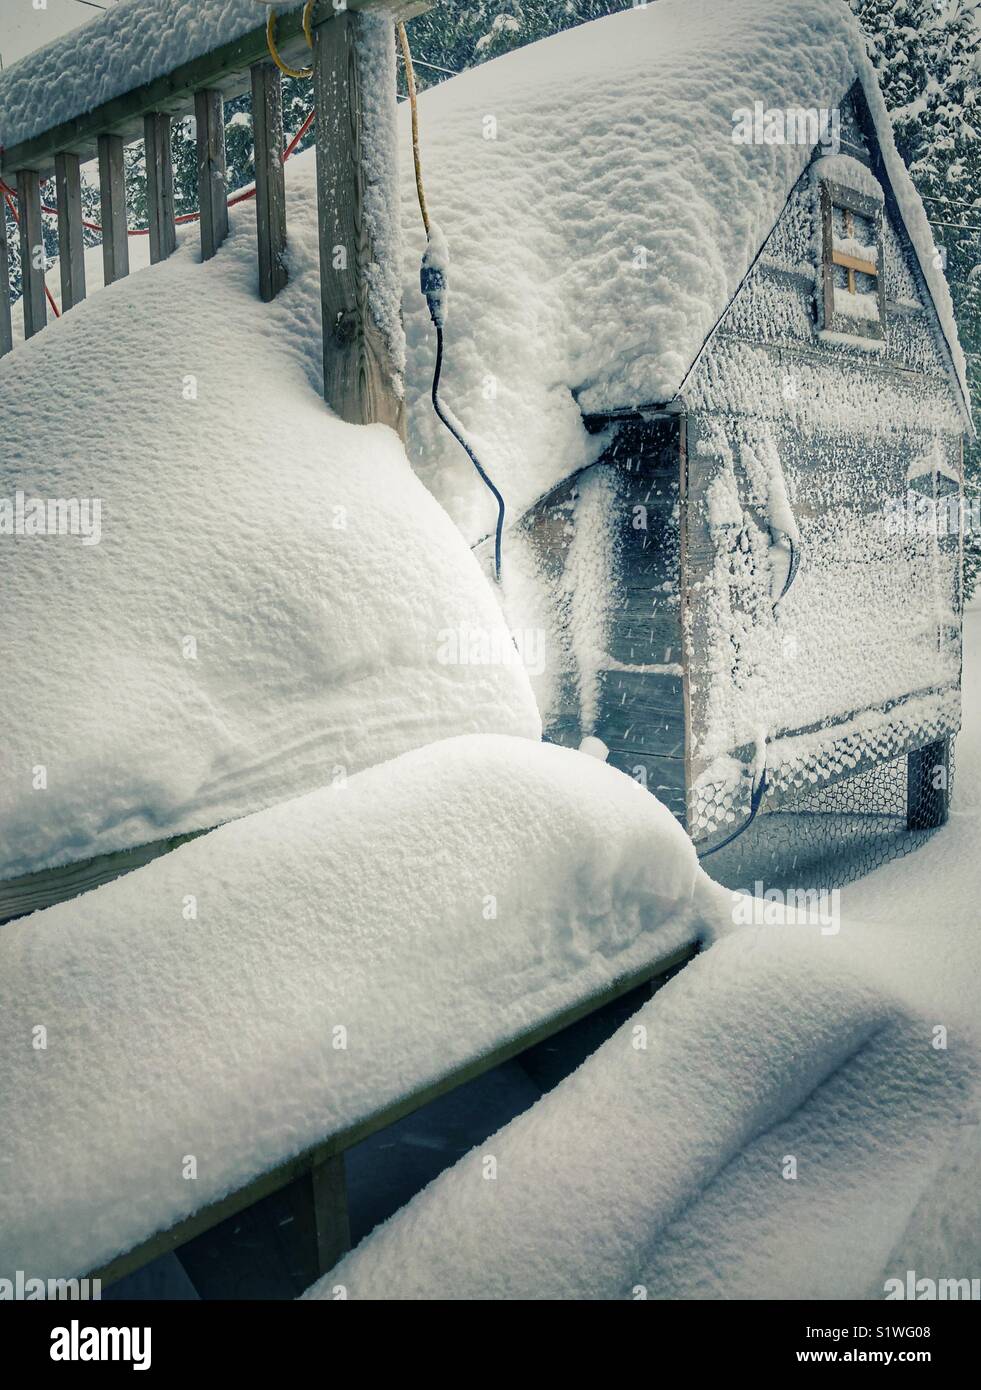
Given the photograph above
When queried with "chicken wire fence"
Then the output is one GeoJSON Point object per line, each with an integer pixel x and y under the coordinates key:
{"type": "Point", "coordinates": [823, 837]}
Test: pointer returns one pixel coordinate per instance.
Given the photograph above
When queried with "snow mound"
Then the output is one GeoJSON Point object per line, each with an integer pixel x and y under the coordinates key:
{"type": "Point", "coordinates": [600, 218]}
{"type": "Point", "coordinates": [273, 594]}
{"type": "Point", "coordinates": [661, 1168]}
{"type": "Point", "coordinates": [269, 984]}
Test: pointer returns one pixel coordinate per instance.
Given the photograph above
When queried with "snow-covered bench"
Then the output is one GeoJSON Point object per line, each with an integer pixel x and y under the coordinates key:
{"type": "Point", "coordinates": [231, 1018]}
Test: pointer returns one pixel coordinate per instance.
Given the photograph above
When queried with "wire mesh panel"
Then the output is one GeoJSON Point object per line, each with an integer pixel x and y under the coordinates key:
{"type": "Point", "coordinates": [822, 837]}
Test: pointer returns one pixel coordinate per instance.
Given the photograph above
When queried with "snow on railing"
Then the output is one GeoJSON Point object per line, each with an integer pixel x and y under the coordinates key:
{"type": "Point", "coordinates": [146, 74]}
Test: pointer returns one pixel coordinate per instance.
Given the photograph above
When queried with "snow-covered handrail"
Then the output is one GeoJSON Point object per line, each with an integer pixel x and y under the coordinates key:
{"type": "Point", "coordinates": [126, 75]}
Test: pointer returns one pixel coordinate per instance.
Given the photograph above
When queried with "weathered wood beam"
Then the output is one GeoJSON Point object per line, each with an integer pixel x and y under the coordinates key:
{"type": "Point", "coordinates": [71, 242]}
{"type": "Point", "coordinates": [225, 69]}
{"type": "Point", "coordinates": [209, 118]}
{"type": "Point", "coordinates": [361, 378]}
{"type": "Point", "coordinates": [270, 178]}
{"type": "Point", "coordinates": [31, 251]}
{"type": "Point", "coordinates": [6, 327]}
{"type": "Point", "coordinates": [159, 185]}
{"type": "Point", "coordinates": [854, 263]}
{"type": "Point", "coordinates": [112, 193]}
{"type": "Point", "coordinates": [928, 786]}
{"type": "Point", "coordinates": [330, 1226]}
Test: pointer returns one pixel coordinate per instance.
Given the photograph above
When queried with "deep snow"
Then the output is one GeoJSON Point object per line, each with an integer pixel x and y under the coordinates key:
{"type": "Point", "coordinates": [271, 601]}
{"type": "Point", "coordinates": [430, 909]}
{"type": "Point", "coordinates": [659, 1168]}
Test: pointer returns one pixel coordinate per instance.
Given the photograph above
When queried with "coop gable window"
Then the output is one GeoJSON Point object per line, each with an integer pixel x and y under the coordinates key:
{"type": "Point", "coordinates": [853, 304]}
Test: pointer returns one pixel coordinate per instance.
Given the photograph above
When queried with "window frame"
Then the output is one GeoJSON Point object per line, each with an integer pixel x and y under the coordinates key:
{"type": "Point", "coordinates": [836, 195]}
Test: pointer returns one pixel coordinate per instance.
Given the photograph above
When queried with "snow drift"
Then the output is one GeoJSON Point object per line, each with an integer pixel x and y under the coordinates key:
{"type": "Point", "coordinates": [271, 600]}
{"type": "Point", "coordinates": [431, 909]}
{"type": "Point", "coordinates": [765, 1127]}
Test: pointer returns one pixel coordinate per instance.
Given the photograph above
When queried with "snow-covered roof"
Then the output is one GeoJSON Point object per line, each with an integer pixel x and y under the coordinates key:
{"type": "Point", "coordinates": [274, 599]}
{"type": "Point", "coordinates": [600, 219]}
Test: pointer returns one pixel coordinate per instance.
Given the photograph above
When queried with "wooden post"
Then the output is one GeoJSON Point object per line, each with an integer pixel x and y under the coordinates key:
{"type": "Point", "coordinates": [71, 244]}
{"type": "Point", "coordinates": [270, 180]}
{"type": "Point", "coordinates": [209, 117]}
{"type": "Point", "coordinates": [928, 786]}
{"type": "Point", "coordinates": [31, 251]}
{"type": "Point", "coordinates": [332, 1225]}
{"type": "Point", "coordinates": [159, 185]}
{"type": "Point", "coordinates": [6, 329]}
{"type": "Point", "coordinates": [356, 127]}
{"type": "Point", "coordinates": [112, 190]}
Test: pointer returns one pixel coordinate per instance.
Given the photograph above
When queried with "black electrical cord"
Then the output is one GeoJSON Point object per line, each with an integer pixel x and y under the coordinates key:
{"type": "Point", "coordinates": [791, 572]}
{"type": "Point", "coordinates": [754, 806]}
{"type": "Point", "coordinates": [458, 436]}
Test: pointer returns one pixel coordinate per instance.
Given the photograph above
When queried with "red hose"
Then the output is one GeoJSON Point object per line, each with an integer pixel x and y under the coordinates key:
{"type": "Point", "coordinates": [233, 201]}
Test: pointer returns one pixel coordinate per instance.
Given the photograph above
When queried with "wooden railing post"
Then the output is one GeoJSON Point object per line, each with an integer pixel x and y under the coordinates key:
{"type": "Point", "coordinates": [6, 328]}
{"type": "Point", "coordinates": [356, 126]}
{"type": "Point", "coordinates": [159, 185]}
{"type": "Point", "coordinates": [31, 251]}
{"type": "Point", "coordinates": [71, 244]}
{"type": "Point", "coordinates": [112, 190]}
{"type": "Point", "coordinates": [209, 118]}
{"type": "Point", "coordinates": [270, 180]}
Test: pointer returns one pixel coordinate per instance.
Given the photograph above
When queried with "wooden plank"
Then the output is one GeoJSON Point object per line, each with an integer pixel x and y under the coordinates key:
{"type": "Point", "coordinates": [71, 243]}
{"type": "Point", "coordinates": [270, 178]}
{"type": "Point", "coordinates": [31, 251]}
{"type": "Point", "coordinates": [203, 1220]}
{"type": "Point", "coordinates": [854, 263]}
{"type": "Point", "coordinates": [159, 185]}
{"type": "Point", "coordinates": [332, 1225]}
{"type": "Point", "coordinates": [643, 710]}
{"type": "Point", "coordinates": [32, 892]}
{"type": "Point", "coordinates": [6, 327]}
{"type": "Point", "coordinates": [112, 192]}
{"type": "Point", "coordinates": [827, 268]}
{"type": "Point", "coordinates": [927, 803]}
{"type": "Point", "coordinates": [209, 117]}
{"type": "Point", "coordinates": [225, 68]}
{"type": "Point", "coordinates": [361, 380]}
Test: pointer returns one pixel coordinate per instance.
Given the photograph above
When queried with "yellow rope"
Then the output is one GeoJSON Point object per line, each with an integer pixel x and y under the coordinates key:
{"type": "Point", "coordinates": [410, 77]}
{"type": "Point", "coordinates": [271, 41]}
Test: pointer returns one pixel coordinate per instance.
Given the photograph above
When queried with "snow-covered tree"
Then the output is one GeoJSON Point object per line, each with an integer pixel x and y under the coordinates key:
{"type": "Point", "coordinates": [927, 55]}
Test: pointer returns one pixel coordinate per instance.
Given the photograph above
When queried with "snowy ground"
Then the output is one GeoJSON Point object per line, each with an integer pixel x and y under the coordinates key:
{"type": "Point", "coordinates": [778, 1122]}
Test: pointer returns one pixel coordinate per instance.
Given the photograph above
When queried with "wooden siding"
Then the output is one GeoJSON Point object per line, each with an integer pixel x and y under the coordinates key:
{"type": "Point", "coordinates": [640, 697]}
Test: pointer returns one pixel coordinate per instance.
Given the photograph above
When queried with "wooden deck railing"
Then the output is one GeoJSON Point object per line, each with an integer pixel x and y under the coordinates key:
{"type": "Point", "coordinates": [360, 377]}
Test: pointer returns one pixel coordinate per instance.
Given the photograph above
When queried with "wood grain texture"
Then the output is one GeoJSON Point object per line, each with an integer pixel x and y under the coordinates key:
{"type": "Point", "coordinates": [361, 381]}
{"type": "Point", "coordinates": [71, 244]}
{"type": "Point", "coordinates": [270, 178]}
{"type": "Point", "coordinates": [159, 185]}
{"type": "Point", "coordinates": [31, 251]}
{"type": "Point", "coordinates": [112, 191]}
{"type": "Point", "coordinates": [209, 119]}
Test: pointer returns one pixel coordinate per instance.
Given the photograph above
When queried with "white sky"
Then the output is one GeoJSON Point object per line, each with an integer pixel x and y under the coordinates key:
{"type": "Point", "coordinates": [29, 24]}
